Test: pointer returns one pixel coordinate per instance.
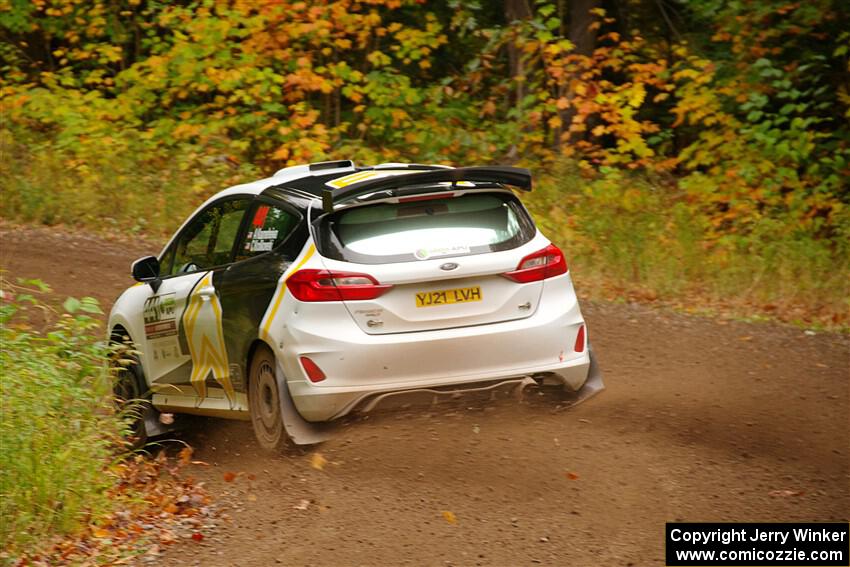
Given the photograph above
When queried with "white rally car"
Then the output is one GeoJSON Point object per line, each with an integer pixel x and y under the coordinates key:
{"type": "Point", "coordinates": [329, 288]}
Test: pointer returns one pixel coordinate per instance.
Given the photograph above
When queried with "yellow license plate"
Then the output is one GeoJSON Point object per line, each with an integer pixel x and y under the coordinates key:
{"type": "Point", "coordinates": [448, 296]}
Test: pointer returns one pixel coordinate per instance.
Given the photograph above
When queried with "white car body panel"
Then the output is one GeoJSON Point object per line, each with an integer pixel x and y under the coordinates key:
{"type": "Point", "coordinates": [359, 364]}
{"type": "Point", "coordinates": [396, 310]}
{"type": "Point", "coordinates": [367, 349]}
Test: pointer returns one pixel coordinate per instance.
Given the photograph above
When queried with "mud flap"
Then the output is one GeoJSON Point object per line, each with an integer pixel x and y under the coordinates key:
{"type": "Point", "coordinates": [153, 427]}
{"type": "Point", "coordinates": [592, 386]}
{"type": "Point", "coordinates": [300, 431]}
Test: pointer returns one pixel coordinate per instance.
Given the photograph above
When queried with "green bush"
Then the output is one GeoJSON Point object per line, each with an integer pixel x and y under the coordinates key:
{"type": "Point", "coordinates": [627, 233]}
{"type": "Point", "coordinates": [58, 431]}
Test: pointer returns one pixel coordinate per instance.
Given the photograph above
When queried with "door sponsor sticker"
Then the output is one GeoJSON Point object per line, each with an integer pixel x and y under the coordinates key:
{"type": "Point", "coordinates": [159, 315]}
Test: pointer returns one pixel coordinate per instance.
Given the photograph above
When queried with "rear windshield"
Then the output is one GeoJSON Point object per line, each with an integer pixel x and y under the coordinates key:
{"type": "Point", "coordinates": [420, 230]}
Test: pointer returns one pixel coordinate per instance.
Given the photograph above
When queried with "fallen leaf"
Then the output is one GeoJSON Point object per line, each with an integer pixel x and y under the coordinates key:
{"type": "Point", "coordinates": [571, 475]}
{"type": "Point", "coordinates": [198, 536]}
{"type": "Point", "coordinates": [186, 455]}
{"type": "Point", "coordinates": [229, 476]}
{"type": "Point", "coordinates": [200, 463]}
{"type": "Point", "coordinates": [745, 338]}
{"type": "Point", "coordinates": [252, 498]}
{"type": "Point", "coordinates": [318, 462]}
{"type": "Point", "coordinates": [171, 508]}
{"type": "Point", "coordinates": [303, 505]}
{"type": "Point", "coordinates": [450, 517]}
{"type": "Point", "coordinates": [100, 532]}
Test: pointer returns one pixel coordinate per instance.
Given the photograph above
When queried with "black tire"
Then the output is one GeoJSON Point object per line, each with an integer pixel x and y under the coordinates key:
{"type": "Point", "coordinates": [264, 401]}
{"type": "Point", "coordinates": [132, 401]}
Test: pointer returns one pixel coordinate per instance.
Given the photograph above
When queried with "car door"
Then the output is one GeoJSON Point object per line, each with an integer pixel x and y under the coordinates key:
{"type": "Point", "coordinates": [272, 237]}
{"type": "Point", "coordinates": [184, 354]}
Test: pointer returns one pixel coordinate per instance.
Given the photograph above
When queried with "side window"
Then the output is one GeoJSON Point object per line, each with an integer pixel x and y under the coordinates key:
{"type": "Point", "coordinates": [166, 262]}
{"type": "Point", "coordinates": [208, 240]}
{"type": "Point", "coordinates": [268, 228]}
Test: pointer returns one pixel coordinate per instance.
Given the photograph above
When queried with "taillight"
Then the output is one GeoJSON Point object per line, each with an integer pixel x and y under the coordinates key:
{"type": "Point", "coordinates": [580, 340]}
{"type": "Point", "coordinates": [324, 285]}
{"type": "Point", "coordinates": [314, 373]}
{"type": "Point", "coordinates": [546, 263]}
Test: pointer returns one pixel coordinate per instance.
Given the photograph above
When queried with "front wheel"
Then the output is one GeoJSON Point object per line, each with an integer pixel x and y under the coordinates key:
{"type": "Point", "coordinates": [264, 401]}
{"type": "Point", "coordinates": [132, 403]}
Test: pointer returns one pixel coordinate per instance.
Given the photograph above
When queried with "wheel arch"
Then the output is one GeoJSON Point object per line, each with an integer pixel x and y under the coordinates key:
{"type": "Point", "coordinates": [118, 332]}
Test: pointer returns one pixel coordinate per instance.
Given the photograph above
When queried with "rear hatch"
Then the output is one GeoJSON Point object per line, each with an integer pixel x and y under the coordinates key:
{"type": "Point", "coordinates": [444, 256]}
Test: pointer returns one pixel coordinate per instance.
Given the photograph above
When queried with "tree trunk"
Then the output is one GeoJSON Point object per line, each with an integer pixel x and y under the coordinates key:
{"type": "Point", "coordinates": [583, 37]}
{"type": "Point", "coordinates": [516, 10]}
{"type": "Point", "coordinates": [581, 18]}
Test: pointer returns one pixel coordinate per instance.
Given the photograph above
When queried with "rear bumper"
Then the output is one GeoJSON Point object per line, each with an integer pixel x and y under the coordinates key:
{"type": "Point", "coordinates": [360, 366]}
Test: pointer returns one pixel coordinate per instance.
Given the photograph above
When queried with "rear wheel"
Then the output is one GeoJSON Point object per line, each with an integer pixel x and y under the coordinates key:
{"type": "Point", "coordinates": [264, 401]}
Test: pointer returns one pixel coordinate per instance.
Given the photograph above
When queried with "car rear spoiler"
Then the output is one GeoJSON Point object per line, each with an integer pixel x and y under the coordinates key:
{"type": "Point", "coordinates": [514, 176]}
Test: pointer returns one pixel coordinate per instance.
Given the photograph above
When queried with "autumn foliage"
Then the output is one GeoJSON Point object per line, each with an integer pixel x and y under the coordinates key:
{"type": "Point", "coordinates": [729, 120]}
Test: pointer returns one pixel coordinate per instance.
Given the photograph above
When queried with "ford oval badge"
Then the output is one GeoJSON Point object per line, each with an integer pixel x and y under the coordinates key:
{"type": "Point", "coordinates": [448, 266]}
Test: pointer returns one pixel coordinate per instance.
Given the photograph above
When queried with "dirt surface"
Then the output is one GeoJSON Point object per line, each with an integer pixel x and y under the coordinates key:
{"type": "Point", "coordinates": [702, 420]}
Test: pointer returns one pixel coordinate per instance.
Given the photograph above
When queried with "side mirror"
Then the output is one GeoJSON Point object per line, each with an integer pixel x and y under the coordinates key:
{"type": "Point", "coordinates": [147, 270]}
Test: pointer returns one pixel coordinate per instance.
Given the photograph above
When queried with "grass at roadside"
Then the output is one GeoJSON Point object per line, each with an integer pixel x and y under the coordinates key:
{"type": "Point", "coordinates": [70, 492]}
{"type": "Point", "coordinates": [57, 432]}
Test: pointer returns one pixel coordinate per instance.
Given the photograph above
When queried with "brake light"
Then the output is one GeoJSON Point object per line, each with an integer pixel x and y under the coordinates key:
{"type": "Point", "coordinates": [314, 373]}
{"type": "Point", "coordinates": [426, 197]}
{"type": "Point", "coordinates": [546, 263]}
{"type": "Point", "coordinates": [580, 340]}
{"type": "Point", "coordinates": [324, 285]}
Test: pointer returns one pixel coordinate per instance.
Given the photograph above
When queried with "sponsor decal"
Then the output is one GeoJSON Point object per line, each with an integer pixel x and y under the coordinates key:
{"type": "Point", "coordinates": [159, 316]}
{"type": "Point", "coordinates": [269, 234]}
{"type": "Point", "coordinates": [161, 330]}
{"type": "Point", "coordinates": [202, 321]}
{"type": "Point", "coordinates": [262, 245]}
{"type": "Point", "coordinates": [425, 253]}
{"type": "Point", "coordinates": [259, 239]}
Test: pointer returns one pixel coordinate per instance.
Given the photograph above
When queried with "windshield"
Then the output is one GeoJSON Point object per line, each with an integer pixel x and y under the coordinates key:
{"type": "Point", "coordinates": [423, 229]}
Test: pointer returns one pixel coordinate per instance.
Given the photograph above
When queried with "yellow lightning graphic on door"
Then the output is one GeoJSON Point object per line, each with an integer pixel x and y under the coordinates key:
{"type": "Point", "coordinates": [202, 321]}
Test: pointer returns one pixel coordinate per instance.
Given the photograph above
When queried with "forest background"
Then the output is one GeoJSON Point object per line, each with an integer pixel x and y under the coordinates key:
{"type": "Point", "coordinates": [692, 152]}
